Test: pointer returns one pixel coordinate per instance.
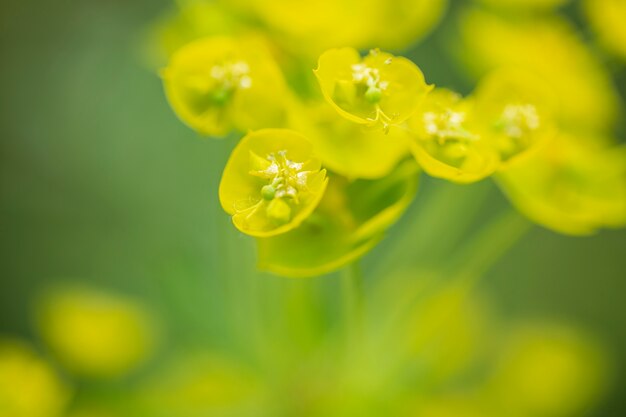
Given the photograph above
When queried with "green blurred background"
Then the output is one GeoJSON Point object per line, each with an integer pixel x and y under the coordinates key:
{"type": "Point", "coordinates": [101, 183]}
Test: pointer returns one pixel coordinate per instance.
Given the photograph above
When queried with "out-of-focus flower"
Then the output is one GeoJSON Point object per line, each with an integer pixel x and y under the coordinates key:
{"type": "Point", "coordinates": [551, 48]}
{"type": "Point", "coordinates": [607, 20]}
{"type": "Point", "coordinates": [272, 182]}
{"type": "Point", "coordinates": [410, 20]}
{"type": "Point", "coordinates": [547, 370]}
{"type": "Point", "coordinates": [310, 27]}
{"type": "Point", "coordinates": [355, 151]}
{"type": "Point", "coordinates": [189, 22]}
{"type": "Point", "coordinates": [218, 84]}
{"type": "Point", "coordinates": [204, 384]}
{"type": "Point", "coordinates": [350, 220]}
{"type": "Point", "coordinates": [29, 386]}
{"type": "Point", "coordinates": [377, 90]}
{"type": "Point", "coordinates": [94, 333]}
{"type": "Point", "coordinates": [514, 111]}
{"type": "Point", "coordinates": [447, 142]}
{"type": "Point", "coordinates": [574, 185]}
{"type": "Point", "coordinates": [525, 4]}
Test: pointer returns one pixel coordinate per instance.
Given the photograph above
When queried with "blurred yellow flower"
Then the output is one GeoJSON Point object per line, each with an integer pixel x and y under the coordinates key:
{"type": "Point", "coordinates": [377, 90]}
{"type": "Point", "coordinates": [446, 141]}
{"type": "Point", "coordinates": [607, 20]}
{"type": "Point", "coordinates": [547, 46]}
{"type": "Point", "coordinates": [29, 386]}
{"type": "Point", "coordinates": [272, 182]}
{"type": "Point", "coordinates": [525, 4]}
{"type": "Point", "coordinates": [219, 84]}
{"type": "Point", "coordinates": [514, 110]}
{"type": "Point", "coordinates": [547, 370]}
{"type": "Point", "coordinates": [574, 185]}
{"type": "Point", "coordinates": [94, 333]}
{"type": "Point", "coordinates": [350, 220]}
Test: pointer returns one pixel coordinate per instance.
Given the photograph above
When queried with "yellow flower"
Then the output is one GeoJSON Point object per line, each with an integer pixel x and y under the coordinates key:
{"type": "Point", "coordinates": [379, 89]}
{"type": "Point", "coordinates": [446, 141]}
{"type": "Point", "coordinates": [355, 151]}
{"type": "Point", "coordinates": [219, 84]}
{"type": "Point", "coordinates": [525, 4]}
{"type": "Point", "coordinates": [410, 20]}
{"type": "Point", "coordinates": [551, 48]}
{"type": "Point", "coordinates": [350, 220]}
{"type": "Point", "coordinates": [547, 370]}
{"type": "Point", "coordinates": [514, 112]}
{"type": "Point", "coordinates": [29, 386]}
{"type": "Point", "coordinates": [272, 182]}
{"type": "Point", "coordinates": [95, 333]}
{"type": "Point", "coordinates": [607, 19]}
{"type": "Point", "coordinates": [575, 185]}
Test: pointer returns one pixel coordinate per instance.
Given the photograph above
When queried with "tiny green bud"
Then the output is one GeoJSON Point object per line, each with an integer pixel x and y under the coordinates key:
{"type": "Point", "coordinates": [220, 96]}
{"type": "Point", "coordinates": [373, 94]}
{"type": "Point", "coordinates": [268, 192]}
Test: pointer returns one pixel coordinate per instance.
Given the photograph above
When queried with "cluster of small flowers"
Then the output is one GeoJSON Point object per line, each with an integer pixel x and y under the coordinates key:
{"type": "Point", "coordinates": [320, 177]}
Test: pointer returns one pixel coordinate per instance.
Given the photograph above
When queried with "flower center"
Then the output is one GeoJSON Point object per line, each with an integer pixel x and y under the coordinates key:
{"type": "Point", "coordinates": [370, 78]}
{"type": "Point", "coordinates": [229, 77]}
{"type": "Point", "coordinates": [447, 125]}
{"type": "Point", "coordinates": [518, 120]}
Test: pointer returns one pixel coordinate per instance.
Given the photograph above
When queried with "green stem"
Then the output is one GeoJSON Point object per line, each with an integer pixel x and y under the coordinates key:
{"type": "Point", "coordinates": [353, 300]}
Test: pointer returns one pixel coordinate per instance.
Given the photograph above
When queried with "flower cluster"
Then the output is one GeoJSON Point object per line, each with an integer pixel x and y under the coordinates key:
{"type": "Point", "coordinates": [330, 162]}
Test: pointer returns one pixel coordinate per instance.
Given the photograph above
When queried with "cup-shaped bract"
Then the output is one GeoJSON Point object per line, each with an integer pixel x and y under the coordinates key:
{"type": "Point", "coordinates": [514, 112]}
{"type": "Point", "coordinates": [350, 220]}
{"type": "Point", "coordinates": [219, 84]}
{"type": "Point", "coordinates": [353, 150]}
{"type": "Point", "coordinates": [272, 182]}
{"type": "Point", "coordinates": [378, 89]}
{"type": "Point", "coordinates": [447, 142]}
{"type": "Point", "coordinates": [573, 185]}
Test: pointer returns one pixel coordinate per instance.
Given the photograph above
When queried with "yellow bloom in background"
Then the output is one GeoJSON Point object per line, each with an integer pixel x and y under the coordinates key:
{"type": "Point", "coordinates": [350, 220]}
{"type": "Point", "coordinates": [203, 384]}
{"type": "Point", "coordinates": [310, 27]}
{"type": "Point", "coordinates": [186, 23]}
{"type": "Point", "coordinates": [401, 23]}
{"type": "Point", "coordinates": [377, 90]}
{"type": "Point", "coordinates": [94, 333]}
{"type": "Point", "coordinates": [575, 185]}
{"type": "Point", "coordinates": [525, 4]}
{"type": "Point", "coordinates": [550, 47]}
{"type": "Point", "coordinates": [547, 370]}
{"type": "Point", "coordinates": [355, 151]}
{"type": "Point", "coordinates": [29, 386]}
{"type": "Point", "coordinates": [272, 182]}
{"type": "Point", "coordinates": [606, 17]}
{"type": "Point", "coordinates": [220, 84]}
{"type": "Point", "coordinates": [447, 142]}
{"type": "Point", "coordinates": [514, 110]}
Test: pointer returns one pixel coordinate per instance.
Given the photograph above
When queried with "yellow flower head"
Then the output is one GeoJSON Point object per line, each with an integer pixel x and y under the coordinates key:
{"type": "Point", "coordinates": [607, 19]}
{"type": "Point", "coordinates": [379, 89]}
{"type": "Point", "coordinates": [573, 186]}
{"type": "Point", "coordinates": [272, 182]}
{"type": "Point", "coordinates": [447, 143]}
{"type": "Point", "coordinates": [219, 84]}
{"type": "Point", "coordinates": [514, 112]}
